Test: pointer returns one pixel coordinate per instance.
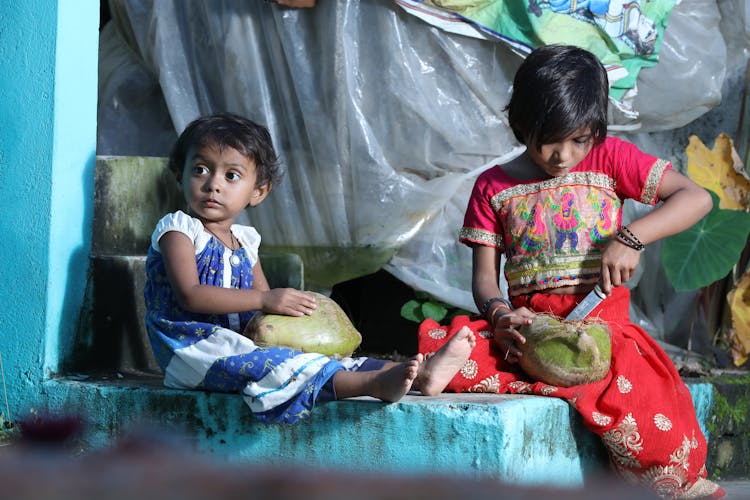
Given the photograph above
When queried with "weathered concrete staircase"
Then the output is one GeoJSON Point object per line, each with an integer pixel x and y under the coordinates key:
{"type": "Point", "coordinates": [115, 381]}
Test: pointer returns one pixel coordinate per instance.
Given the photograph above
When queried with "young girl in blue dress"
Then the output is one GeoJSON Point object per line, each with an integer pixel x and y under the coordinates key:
{"type": "Point", "coordinates": [205, 282]}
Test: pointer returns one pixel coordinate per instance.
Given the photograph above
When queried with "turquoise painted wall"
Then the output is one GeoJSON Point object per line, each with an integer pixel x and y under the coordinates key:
{"type": "Point", "coordinates": [47, 148]}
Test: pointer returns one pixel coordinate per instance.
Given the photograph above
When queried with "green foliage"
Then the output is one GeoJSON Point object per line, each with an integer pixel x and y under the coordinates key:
{"type": "Point", "coordinates": [8, 431]}
{"type": "Point", "coordinates": [434, 310]}
{"type": "Point", "coordinates": [412, 310]}
{"type": "Point", "coordinates": [706, 252]}
{"type": "Point", "coordinates": [425, 306]}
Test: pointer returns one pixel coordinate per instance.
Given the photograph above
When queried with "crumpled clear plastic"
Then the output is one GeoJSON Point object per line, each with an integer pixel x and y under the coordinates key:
{"type": "Point", "coordinates": [692, 55]}
{"type": "Point", "coordinates": [382, 121]}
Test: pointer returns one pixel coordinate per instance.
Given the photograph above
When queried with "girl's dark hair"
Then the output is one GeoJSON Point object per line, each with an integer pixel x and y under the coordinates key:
{"type": "Point", "coordinates": [557, 90]}
{"type": "Point", "coordinates": [229, 130]}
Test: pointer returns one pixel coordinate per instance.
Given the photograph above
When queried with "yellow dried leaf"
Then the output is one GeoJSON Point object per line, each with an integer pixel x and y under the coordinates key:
{"type": "Point", "coordinates": [719, 169]}
{"type": "Point", "coordinates": [739, 305]}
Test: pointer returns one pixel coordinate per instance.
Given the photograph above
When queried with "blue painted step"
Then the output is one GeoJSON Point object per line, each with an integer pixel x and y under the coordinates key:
{"type": "Point", "coordinates": [518, 439]}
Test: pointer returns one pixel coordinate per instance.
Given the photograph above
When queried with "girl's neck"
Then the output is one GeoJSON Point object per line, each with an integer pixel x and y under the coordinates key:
{"type": "Point", "coordinates": [225, 236]}
{"type": "Point", "coordinates": [219, 227]}
{"type": "Point", "coordinates": [221, 230]}
{"type": "Point", "coordinates": [224, 227]}
{"type": "Point", "coordinates": [522, 168]}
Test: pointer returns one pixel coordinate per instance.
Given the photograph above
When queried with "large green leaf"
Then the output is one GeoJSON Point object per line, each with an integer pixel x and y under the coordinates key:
{"type": "Point", "coordinates": [707, 251]}
{"type": "Point", "coordinates": [434, 310]}
{"type": "Point", "coordinates": [412, 311]}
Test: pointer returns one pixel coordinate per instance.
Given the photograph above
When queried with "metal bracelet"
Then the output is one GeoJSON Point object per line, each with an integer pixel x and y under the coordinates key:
{"type": "Point", "coordinates": [490, 301]}
{"type": "Point", "coordinates": [632, 236]}
{"type": "Point", "coordinates": [625, 239]}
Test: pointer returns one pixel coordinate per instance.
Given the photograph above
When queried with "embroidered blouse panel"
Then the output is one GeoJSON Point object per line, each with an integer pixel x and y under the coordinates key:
{"type": "Point", "coordinates": [553, 230]}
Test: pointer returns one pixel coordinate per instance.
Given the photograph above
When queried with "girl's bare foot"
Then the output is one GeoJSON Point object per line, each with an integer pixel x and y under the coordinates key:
{"type": "Point", "coordinates": [438, 370]}
{"type": "Point", "coordinates": [395, 381]}
{"type": "Point", "coordinates": [390, 383]}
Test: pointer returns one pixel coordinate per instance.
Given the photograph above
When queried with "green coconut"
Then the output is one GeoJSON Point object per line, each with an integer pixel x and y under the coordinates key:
{"type": "Point", "coordinates": [327, 330]}
{"type": "Point", "coordinates": [565, 353]}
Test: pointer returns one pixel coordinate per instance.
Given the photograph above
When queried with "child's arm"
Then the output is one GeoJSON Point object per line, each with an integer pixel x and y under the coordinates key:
{"type": "Point", "coordinates": [277, 299]}
{"type": "Point", "coordinates": [259, 278]}
{"type": "Point", "coordinates": [685, 203]}
{"type": "Point", "coordinates": [485, 285]}
{"type": "Point", "coordinates": [179, 259]}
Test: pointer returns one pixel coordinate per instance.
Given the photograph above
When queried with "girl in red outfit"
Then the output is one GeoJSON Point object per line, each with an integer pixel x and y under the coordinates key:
{"type": "Point", "coordinates": [555, 213]}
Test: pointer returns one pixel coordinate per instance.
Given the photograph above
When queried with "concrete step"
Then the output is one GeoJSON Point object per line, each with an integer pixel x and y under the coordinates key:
{"type": "Point", "coordinates": [728, 426]}
{"type": "Point", "coordinates": [517, 439]}
{"type": "Point", "coordinates": [738, 489]}
{"type": "Point", "coordinates": [131, 194]}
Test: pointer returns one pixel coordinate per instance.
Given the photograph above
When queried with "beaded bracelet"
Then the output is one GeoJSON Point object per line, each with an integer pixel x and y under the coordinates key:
{"type": "Point", "coordinates": [633, 239]}
{"type": "Point", "coordinates": [490, 301]}
{"type": "Point", "coordinates": [630, 239]}
{"type": "Point", "coordinates": [632, 235]}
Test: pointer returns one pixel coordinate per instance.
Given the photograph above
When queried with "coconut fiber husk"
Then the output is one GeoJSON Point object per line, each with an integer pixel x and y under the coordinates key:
{"type": "Point", "coordinates": [565, 353]}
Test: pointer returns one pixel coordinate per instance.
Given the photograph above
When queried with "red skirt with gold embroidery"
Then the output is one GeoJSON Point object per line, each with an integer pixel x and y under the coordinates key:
{"type": "Point", "coordinates": [642, 410]}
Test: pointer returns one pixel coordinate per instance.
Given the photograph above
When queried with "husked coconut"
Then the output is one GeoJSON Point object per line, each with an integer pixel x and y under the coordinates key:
{"type": "Point", "coordinates": [327, 330]}
{"type": "Point", "coordinates": [565, 353]}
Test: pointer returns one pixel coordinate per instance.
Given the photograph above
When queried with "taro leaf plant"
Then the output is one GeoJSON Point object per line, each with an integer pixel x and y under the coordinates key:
{"type": "Point", "coordinates": [702, 257]}
{"type": "Point", "coordinates": [424, 306]}
{"type": "Point", "coordinates": [707, 252]}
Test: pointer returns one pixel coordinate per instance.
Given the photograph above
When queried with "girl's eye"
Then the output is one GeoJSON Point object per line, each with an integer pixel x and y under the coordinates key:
{"type": "Point", "coordinates": [232, 176]}
{"type": "Point", "coordinates": [582, 140]}
{"type": "Point", "coordinates": [199, 170]}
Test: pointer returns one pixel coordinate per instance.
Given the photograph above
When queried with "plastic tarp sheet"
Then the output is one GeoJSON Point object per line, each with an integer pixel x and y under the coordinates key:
{"type": "Point", "coordinates": [382, 120]}
{"type": "Point", "coordinates": [625, 35]}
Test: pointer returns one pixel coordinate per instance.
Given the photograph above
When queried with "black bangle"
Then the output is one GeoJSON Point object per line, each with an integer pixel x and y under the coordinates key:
{"type": "Point", "coordinates": [489, 302]}
{"type": "Point", "coordinates": [625, 239]}
{"type": "Point", "coordinates": [632, 236]}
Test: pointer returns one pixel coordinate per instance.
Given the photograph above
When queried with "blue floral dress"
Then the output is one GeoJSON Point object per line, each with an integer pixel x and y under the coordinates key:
{"type": "Point", "coordinates": [207, 352]}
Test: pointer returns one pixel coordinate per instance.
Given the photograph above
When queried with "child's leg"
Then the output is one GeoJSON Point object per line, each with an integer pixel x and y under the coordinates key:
{"type": "Point", "coordinates": [390, 383]}
{"type": "Point", "coordinates": [440, 368]}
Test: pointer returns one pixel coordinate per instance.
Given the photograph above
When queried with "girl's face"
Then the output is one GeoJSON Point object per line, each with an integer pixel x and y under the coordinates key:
{"type": "Point", "coordinates": [559, 158]}
{"type": "Point", "coordinates": [219, 184]}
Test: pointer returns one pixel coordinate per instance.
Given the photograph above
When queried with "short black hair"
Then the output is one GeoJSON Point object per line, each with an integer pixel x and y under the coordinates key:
{"type": "Point", "coordinates": [222, 130]}
{"type": "Point", "coordinates": [557, 90]}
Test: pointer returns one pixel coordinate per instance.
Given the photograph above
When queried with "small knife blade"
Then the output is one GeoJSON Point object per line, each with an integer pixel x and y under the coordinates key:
{"type": "Point", "coordinates": [587, 305]}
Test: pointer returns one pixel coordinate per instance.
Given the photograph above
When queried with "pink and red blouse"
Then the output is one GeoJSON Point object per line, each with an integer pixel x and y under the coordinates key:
{"type": "Point", "coordinates": [553, 230]}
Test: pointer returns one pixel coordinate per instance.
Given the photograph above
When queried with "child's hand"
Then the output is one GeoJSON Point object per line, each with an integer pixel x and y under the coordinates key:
{"type": "Point", "coordinates": [505, 334]}
{"type": "Point", "coordinates": [289, 302]}
{"type": "Point", "coordinates": [619, 263]}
